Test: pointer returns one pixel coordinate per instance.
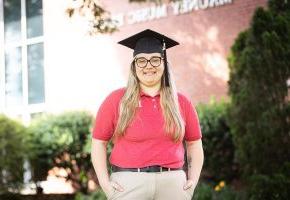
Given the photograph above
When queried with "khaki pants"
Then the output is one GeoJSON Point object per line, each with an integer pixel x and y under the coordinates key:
{"type": "Point", "coordinates": [166, 185]}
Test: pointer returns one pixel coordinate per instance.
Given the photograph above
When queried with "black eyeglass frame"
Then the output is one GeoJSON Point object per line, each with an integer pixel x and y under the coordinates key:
{"type": "Point", "coordinates": [135, 61]}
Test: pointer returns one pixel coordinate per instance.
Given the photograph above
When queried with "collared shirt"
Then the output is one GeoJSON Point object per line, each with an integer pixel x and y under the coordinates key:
{"type": "Point", "coordinates": [145, 141]}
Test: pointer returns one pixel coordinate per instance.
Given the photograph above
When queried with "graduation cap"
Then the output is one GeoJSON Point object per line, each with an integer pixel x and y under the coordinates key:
{"type": "Point", "coordinates": [149, 41]}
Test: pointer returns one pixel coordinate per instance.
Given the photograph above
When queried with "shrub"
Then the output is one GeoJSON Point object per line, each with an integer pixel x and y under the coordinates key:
{"type": "Point", "coordinates": [218, 145]}
{"type": "Point", "coordinates": [260, 109]}
{"type": "Point", "coordinates": [221, 191]}
{"type": "Point", "coordinates": [13, 152]}
{"type": "Point", "coordinates": [274, 186]}
{"type": "Point", "coordinates": [100, 195]}
{"type": "Point", "coordinates": [203, 192]}
{"type": "Point", "coordinates": [63, 141]}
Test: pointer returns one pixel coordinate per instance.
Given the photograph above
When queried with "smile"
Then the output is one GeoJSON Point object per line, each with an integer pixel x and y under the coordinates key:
{"type": "Point", "coordinates": [149, 73]}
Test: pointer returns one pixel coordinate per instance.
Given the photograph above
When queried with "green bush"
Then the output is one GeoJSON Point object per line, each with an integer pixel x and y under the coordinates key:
{"type": "Point", "coordinates": [218, 145]}
{"type": "Point", "coordinates": [63, 141]}
{"type": "Point", "coordinates": [12, 152]}
{"type": "Point", "coordinates": [98, 195]}
{"type": "Point", "coordinates": [274, 186]}
{"type": "Point", "coordinates": [226, 193]}
{"type": "Point", "coordinates": [203, 192]}
{"type": "Point", "coordinates": [206, 191]}
{"type": "Point", "coordinates": [260, 109]}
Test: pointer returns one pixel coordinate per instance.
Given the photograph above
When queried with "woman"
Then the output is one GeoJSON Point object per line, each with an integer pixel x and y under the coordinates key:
{"type": "Point", "coordinates": [148, 122]}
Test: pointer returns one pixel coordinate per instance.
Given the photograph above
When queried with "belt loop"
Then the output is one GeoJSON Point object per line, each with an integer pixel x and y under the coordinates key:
{"type": "Point", "coordinates": [160, 169]}
{"type": "Point", "coordinates": [138, 169]}
{"type": "Point", "coordinates": [169, 169]}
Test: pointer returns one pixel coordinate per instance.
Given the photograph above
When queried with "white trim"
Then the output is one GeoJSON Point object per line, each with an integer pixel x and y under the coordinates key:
{"type": "Point", "coordinates": [25, 41]}
{"type": "Point", "coordinates": [13, 44]}
{"type": "Point", "coordinates": [36, 108]}
{"type": "Point", "coordinates": [26, 116]}
{"type": "Point", "coordinates": [27, 110]}
{"type": "Point", "coordinates": [2, 59]}
{"type": "Point", "coordinates": [34, 40]}
{"type": "Point", "coordinates": [45, 61]}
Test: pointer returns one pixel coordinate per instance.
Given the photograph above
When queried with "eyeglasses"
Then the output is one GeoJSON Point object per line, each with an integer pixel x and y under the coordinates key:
{"type": "Point", "coordinates": [142, 62]}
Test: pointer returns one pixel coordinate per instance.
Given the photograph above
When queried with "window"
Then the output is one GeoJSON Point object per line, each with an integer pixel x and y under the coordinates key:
{"type": "Point", "coordinates": [24, 85]}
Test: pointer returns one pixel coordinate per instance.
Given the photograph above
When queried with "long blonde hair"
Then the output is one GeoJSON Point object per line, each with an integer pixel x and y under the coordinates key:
{"type": "Point", "coordinates": [174, 124]}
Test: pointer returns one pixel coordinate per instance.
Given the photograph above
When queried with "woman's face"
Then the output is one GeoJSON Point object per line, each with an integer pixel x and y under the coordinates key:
{"type": "Point", "coordinates": [149, 68]}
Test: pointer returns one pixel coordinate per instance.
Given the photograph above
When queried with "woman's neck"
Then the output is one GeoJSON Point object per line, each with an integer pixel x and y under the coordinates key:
{"type": "Point", "coordinates": [150, 90]}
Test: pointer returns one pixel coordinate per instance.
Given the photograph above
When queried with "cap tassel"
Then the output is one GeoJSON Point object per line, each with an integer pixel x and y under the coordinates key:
{"type": "Point", "coordinates": [165, 65]}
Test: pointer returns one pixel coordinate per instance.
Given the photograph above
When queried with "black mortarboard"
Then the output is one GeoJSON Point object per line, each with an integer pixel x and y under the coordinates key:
{"type": "Point", "coordinates": [149, 41]}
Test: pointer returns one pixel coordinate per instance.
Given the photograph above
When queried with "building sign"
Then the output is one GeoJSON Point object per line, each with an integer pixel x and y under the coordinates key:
{"type": "Point", "coordinates": [164, 10]}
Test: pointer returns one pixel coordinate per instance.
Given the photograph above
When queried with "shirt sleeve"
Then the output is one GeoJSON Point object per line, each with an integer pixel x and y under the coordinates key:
{"type": "Point", "coordinates": [192, 126]}
{"type": "Point", "coordinates": [105, 119]}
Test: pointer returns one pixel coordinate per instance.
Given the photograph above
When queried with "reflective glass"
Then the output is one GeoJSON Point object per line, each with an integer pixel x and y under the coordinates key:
{"type": "Point", "coordinates": [34, 18]}
{"type": "Point", "coordinates": [12, 22]}
{"type": "Point", "coordinates": [35, 73]}
{"type": "Point", "coordinates": [13, 77]}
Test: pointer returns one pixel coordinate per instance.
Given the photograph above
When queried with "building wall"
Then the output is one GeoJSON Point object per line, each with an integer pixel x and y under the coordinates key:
{"type": "Point", "coordinates": [199, 63]}
{"type": "Point", "coordinates": [80, 70]}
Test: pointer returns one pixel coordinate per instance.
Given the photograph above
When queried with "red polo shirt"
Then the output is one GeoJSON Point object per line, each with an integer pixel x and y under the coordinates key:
{"type": "Point", "coordinates": [145, 142]}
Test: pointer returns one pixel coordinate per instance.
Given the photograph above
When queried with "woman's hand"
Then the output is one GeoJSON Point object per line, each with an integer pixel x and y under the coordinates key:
{"type": "Point", "coordinates": [111, 186]}
{"type": "Point", "coordinates": [189, 183]}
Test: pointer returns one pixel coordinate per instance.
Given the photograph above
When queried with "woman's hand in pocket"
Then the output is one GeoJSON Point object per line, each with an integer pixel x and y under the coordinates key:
{"type": "Point", "coordinates": [111, 187]}
{"type": "Point", "coordinates": [189, 184]}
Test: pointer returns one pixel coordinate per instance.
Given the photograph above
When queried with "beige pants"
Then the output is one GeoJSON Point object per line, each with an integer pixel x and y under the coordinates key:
{"type": "Point", "coordinates": [166, 185]}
